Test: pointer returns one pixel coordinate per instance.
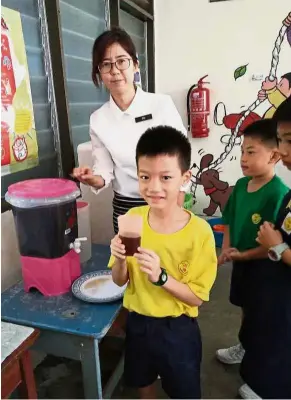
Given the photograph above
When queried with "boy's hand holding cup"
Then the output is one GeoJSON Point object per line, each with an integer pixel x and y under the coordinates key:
{"type": "Point", "coordinates": [149, 263]}
{"type": "Point", "coordinates": [127, 243]}
{"type": "Point", "coordinates": [117, 248]}
{"type": "Point", "coordinates": [129, 234]}
{"type": "Point", "coordinates": [128, 239]}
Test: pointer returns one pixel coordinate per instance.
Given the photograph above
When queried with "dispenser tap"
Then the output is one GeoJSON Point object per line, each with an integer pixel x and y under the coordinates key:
{"type": "Point", "coordinates": [76, 245]}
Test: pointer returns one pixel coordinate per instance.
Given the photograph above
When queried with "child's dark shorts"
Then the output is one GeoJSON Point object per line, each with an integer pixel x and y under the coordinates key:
{"type": "Point", "coordinates": [266, 330]}
{"type": "Point", "coordinates": [166, 347]}
{"type": "Point", "coordinates": [238, 286]}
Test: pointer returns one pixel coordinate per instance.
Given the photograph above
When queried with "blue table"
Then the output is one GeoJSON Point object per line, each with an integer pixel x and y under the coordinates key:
{"type": "Point", "coordinates": [69, 327]}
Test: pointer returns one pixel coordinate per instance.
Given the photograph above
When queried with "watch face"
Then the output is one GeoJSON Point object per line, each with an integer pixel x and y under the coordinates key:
{"type": "Point", "coordinates": [164, 277]}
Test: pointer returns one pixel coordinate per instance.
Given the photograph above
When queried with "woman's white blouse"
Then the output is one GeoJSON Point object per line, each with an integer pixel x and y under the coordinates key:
{"type": "Point", "coordinates": [115, 133]}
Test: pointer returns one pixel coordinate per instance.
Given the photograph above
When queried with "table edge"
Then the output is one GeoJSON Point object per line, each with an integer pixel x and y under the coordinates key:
{"type": "Point", "coordinates": [24, 346]}
{"type": "Point", "coordinates": [41, 326]}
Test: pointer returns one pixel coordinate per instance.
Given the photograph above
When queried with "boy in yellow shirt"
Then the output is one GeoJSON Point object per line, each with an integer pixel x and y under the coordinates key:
{"type": "Point", "coordinates": [169, 277]}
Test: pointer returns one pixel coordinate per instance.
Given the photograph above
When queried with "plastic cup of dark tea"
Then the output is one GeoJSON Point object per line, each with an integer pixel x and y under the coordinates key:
{"type": "Point", "coordinates": [130, 228]}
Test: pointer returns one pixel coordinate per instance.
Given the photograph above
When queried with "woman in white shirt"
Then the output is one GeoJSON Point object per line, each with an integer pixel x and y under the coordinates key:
{"type": "Point", "coordinates": [116, 127]}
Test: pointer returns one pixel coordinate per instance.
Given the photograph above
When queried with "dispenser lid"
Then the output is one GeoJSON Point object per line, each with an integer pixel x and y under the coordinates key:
{"type": "Point", "coordinates": [40, 192]}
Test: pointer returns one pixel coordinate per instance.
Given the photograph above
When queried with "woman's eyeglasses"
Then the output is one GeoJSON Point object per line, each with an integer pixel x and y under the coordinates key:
{"type": "Point", "coordinates": [121, 64]}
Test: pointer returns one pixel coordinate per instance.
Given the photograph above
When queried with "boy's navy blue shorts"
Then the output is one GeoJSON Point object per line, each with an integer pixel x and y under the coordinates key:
{"type": "Point", "coordinates": [166, 347]}
{"type": "Point", "coordinates": [266, 330]}
{"type": "Point", "coordinates": [238, 286]}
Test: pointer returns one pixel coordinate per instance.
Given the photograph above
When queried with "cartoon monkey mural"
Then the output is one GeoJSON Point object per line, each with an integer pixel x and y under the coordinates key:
{"type": "Point", "coordinates": [275, 92]}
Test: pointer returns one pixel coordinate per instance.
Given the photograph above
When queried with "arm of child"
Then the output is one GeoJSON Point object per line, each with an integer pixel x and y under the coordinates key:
{"type": "Point", "coordinates": [182, 292]}
{"type": "Point", "coordinates": [197, 290]}
{"type": "Point", "coordinates": [149, 263]}
{"type": "Point", "coordinates": [226, 238]}
{"type": "Point", "coordinates": [227, 217]}
{"type": "Point", "coordinates": [261, 251]}
{"type": "Point", "coordinates": [120, 274]}
{"type": "Point", "coordinates": [269, 237]}
{"type": "Point", "coordinates": [192, 292]}
{"type": "Point", "coordinates": [252, 254]}
{"type": "Point", "coordinates": [226, 249]}
{"type": "Point", "coordinates": [286, 257]}
{"type": "Point", "coordinates": [117, 262]}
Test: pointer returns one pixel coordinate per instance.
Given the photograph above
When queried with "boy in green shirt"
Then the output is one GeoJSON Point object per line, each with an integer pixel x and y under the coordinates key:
{"type": "Point", "coordinates": [266, 327]}
{"type": "Point", "coordinates": [255, 199]}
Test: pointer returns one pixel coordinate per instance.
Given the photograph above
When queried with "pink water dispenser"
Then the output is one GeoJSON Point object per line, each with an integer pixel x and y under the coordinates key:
{"type": "Point", "coordinates": [45, 215]}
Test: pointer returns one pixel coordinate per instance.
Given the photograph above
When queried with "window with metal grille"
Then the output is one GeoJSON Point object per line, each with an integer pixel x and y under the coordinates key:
{"type": "Point", "coordinates": [81, 22]}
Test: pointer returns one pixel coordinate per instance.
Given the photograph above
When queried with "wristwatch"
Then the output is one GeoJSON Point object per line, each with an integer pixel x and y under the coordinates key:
{"type": "Point", "coordinates": [162, 278]}
{"type": "Point", "coordinates": [275, 253]}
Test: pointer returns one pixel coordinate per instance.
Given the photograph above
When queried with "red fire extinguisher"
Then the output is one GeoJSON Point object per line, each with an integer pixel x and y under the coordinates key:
{"type": "Point", "coordinates": [198, 109]}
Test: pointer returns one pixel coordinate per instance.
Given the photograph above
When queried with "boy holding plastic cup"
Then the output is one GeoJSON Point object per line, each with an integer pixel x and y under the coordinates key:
{"type": "Point", "coordinates": [130, 229]}
{"type": "Point", "coordinates": [170, 274]}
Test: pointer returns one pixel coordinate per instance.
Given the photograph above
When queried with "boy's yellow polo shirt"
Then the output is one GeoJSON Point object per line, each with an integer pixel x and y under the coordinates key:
{"type": "Point", "coordinates": [188, 255]}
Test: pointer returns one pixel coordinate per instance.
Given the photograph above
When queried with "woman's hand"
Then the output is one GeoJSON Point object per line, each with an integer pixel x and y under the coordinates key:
{"type": "Point", "coordinates": [149, 263]}
{"type": "Point", "coordinates": [85, 175]}
{"type": "Point", "coordinates": [268, 236]}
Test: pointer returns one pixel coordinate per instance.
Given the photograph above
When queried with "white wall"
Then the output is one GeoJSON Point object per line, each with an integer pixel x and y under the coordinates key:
{"type": "Point", "coordinates": [195, 38]}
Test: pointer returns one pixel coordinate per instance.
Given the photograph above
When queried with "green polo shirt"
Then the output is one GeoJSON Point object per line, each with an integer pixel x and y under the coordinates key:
{"type": "Point", "coordinates": [246, 211]}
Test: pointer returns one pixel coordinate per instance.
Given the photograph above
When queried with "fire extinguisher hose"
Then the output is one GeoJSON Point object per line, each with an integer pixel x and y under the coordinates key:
{"type": "Point", "coordinates": [188, 104]}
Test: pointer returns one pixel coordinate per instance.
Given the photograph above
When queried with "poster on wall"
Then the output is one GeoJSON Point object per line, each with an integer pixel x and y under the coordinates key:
{"type": "Point", "coordinates": [19, 149]}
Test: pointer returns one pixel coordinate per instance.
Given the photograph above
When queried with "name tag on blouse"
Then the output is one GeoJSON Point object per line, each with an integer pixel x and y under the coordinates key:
{"type": "Point", "coordinates": [143, 118]}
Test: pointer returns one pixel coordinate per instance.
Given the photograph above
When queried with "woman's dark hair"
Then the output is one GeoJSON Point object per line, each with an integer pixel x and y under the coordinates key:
{"type": "Point", "coordinates": [106, 39]}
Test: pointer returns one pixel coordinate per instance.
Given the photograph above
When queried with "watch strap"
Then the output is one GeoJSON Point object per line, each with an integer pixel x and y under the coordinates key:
{"type": "Point", "coordinates": [280, 248]}
{"type": "Point", "coordinates": [275, 252]}
{"type": "Point", "coordinates": [162, 278]}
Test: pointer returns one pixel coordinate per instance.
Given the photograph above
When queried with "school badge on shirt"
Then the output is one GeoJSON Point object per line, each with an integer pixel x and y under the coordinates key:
{"type": "Point", "coordinates": [256, 219]}
{"type": "Point", "coordinates": [286, 226]}
{"type": "Point", "coordinates": [183, 267]}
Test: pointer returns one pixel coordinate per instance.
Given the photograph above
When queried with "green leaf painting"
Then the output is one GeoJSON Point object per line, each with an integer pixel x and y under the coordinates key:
{"type": "Point", "coordinates": [240, 71]}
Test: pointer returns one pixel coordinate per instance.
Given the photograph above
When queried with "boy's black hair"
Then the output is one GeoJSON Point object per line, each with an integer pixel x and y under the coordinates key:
{"type": "Point", "coordinates": [283, 112]}
{"type": "Point", "coordinates": [264, 130]}
{"type": "Point", "coordinates": [165, 140]}
{"type": "Point", "coordinates": [288, 77]}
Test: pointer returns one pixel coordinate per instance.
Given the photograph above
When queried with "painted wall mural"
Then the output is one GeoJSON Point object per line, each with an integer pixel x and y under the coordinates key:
{"type": "Point", "coordinates": [274, 90]}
